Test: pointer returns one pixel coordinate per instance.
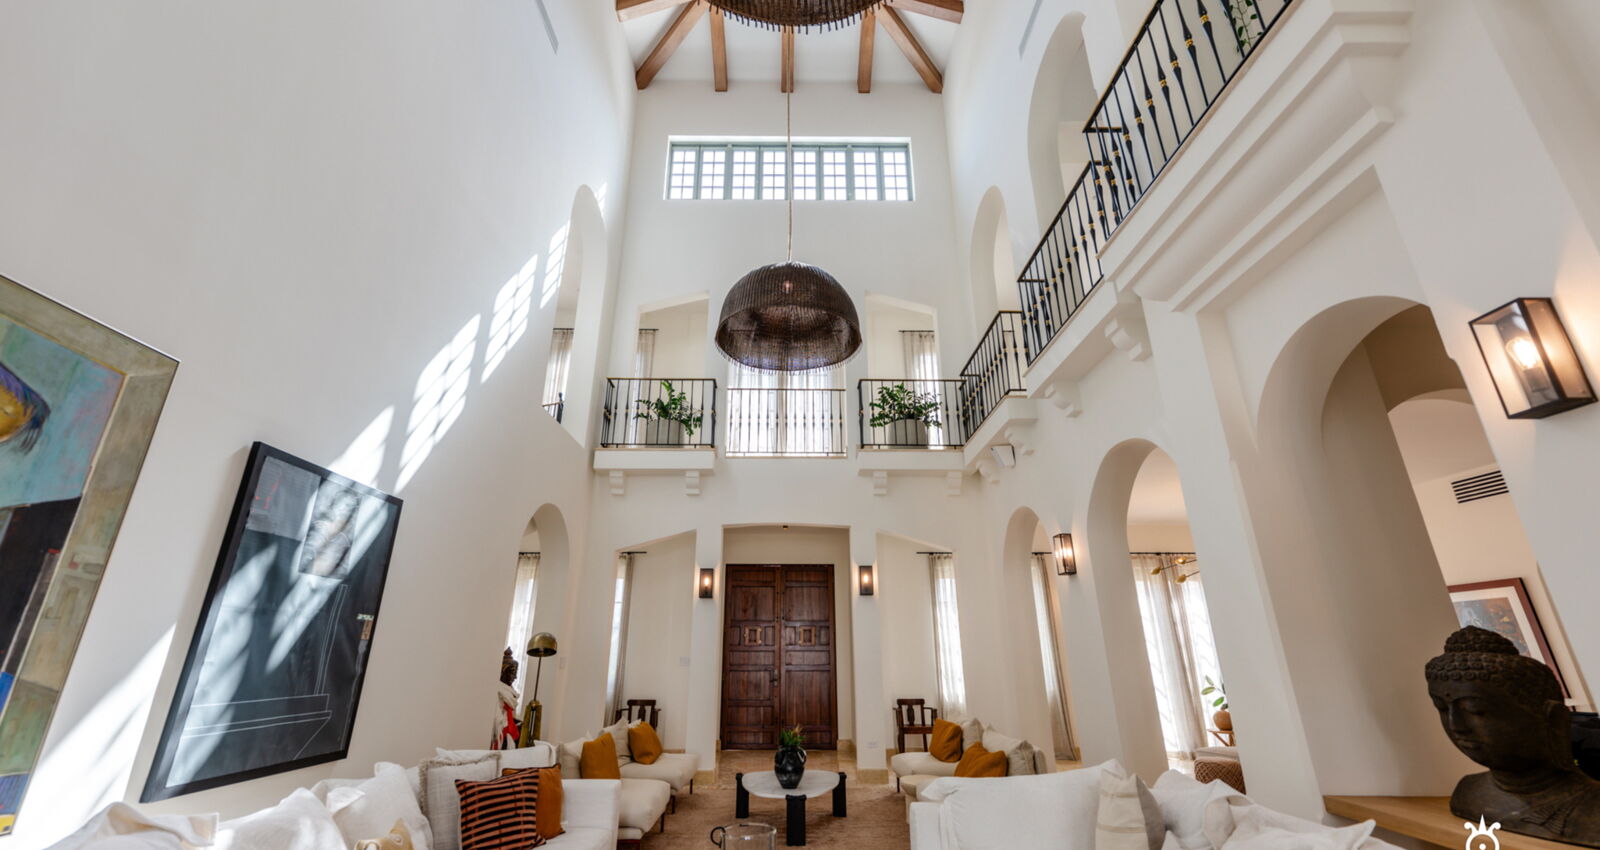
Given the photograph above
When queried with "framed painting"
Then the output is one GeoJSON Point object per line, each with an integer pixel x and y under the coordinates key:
{"type": "Point", "coordinates": [273, 675]}
{"type": "Point", "coordinates": [78, 407]}
{"type": "Point", "coordinates": [1502, 606]}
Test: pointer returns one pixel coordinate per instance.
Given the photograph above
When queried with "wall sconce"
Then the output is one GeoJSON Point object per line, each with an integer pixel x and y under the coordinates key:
{"type": "Point", "coordinates": [1066, 556]}
{"type": "Point", "coordinates": [1531, 359]}
{"type": "Point", "coordinates": [708, 582]}
{"type": "Point", "coordinates": [865, 582]}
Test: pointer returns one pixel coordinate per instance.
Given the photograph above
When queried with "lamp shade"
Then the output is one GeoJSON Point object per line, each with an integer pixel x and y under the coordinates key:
{"type": "Point", "coordinates": [542, 645]}
{"type": "Point", "coordinates": [773, 14]}
{"type": "Point", "coordinates": [1531, 359]}
{"type": "Point", "coordinates": [788, 317]}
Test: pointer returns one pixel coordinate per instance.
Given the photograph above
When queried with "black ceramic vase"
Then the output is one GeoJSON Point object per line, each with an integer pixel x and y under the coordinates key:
{"type": "Point", "coordinates": [790, 765]}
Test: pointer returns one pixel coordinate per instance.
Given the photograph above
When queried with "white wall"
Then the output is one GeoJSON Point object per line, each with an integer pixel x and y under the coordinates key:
{"type": "Point", "coordinates": [314, 208]}
{"type": "Point", "coordinates": [680, 339]}
{"type": "Point", "coordinates": [905, 588]}
{"type": "Point", "coordinates": [660, 608]}
{"type": "Point", "coordinates": [882, 324]}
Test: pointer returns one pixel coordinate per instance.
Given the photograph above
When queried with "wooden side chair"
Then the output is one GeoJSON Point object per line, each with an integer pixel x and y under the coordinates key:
{"type": "Point", "coordinates": [640, 709]}
{"type": "Point", "coordinates": [913, 717]}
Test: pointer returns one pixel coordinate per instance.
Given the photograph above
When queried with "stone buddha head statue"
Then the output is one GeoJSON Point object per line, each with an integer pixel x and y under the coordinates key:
{"type": "Point", "coordinates": [1505, 711]}
{"type": "Point", "coordinates": [508, 668]}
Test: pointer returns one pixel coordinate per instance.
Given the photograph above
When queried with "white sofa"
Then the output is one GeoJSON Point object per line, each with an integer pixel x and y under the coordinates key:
{"type": "Point", "coordinates": [915, 770]}
{"type": "Point", "coordinates": [1058, 811]}
{"type": "Point", "coordinates": [646, 789]}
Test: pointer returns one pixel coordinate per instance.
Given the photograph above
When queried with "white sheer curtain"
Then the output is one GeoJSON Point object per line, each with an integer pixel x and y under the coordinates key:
{"type": "Point", "coordinates": [783, 418]}
{"type": "Point", "coordinates": [922, 355]}
{"type": "Point", "coordinates": [523, 597]}
{"type": "Point", "coordinates": [644, 362]}
{"type": "Point", "coordinates": [560, 363]}
{"type": "Point", "coordinates": [947, 638]}
{"type": "Point", "coordinates": [1177, 637]}
{"type": "Point", "coordinates": [1055, 678]}
{"type": "Point", "coordinates": [619, 634]}
{"type": "Point", "coordinates": [644, 354]}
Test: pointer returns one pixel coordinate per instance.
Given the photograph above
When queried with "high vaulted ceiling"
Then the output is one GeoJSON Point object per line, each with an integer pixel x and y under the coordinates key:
{"type": "Point", "coordinates": [901, 41]}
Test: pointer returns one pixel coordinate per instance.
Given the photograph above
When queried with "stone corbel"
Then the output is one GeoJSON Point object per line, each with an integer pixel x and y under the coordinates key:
{"type": "Point", "coordinates": [1126, 330]}
{"type": "Point", "coordinates": [619, 482]}
{"type": "Point", "coordinates": [1065, 396]}
{"type": "Point", "coordinates": [880, 482]}
{"type": "Point", "coordinates": [691, 482]}
{"type": "Point", "coordinates": [1020, 436]}
{"type": "Point", "coordinates": [989, 470]}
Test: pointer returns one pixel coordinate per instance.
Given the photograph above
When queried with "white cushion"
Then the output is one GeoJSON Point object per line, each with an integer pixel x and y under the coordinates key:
{"type": "Point", "coordinates": [298, 822]}
{"type": "Point", "coordinates": [675, 769]}
{"type": "Point", "coordinates": [120, 826]}
{"type": "Point", "coordinates": [441, 803]}
{"type": "Point", "coordinates": [914, 763]}
{"type": "Point", "coordinates": [413, 777]}
{"type": "Point", "coordinates": [643, 803]}
{"type": "Point", "coordinates": [538, 754]}
{"type": "Point", "coordinates": [583, 838]}
{"type": "Point", "coordinates": [619, 734]}
{"type": "Point", "coordinates": [1236, 823]}
{"type": "Point", "coordinates": [1183, 807]}
{"type": "Point", "coordinates": [1129, 818]}
{"type": "Point", "coordinates": [370, 809]}
{"type": "Point", "coordinates": [1047, 811]}
{"type": "Point", "coordinates": [912, 785]}
{"type": "Point", "coordinates": [1019, 753]}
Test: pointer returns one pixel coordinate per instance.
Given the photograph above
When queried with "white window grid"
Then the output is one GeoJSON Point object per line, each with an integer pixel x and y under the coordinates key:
{"type": "Point", "coordinates": [846, 171]}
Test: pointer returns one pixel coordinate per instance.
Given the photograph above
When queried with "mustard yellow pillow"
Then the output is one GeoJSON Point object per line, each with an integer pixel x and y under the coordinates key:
{"type": "Point", "coordinates": [979, 762]}
{"type": "Point", "coordinates": [945, 744]}
{"type": "Point", "coordinates": [599, 759]}
{"type": "Point", "coordinates": [644, 743]}
{"type": "Point", "coordinates": [547, 817]}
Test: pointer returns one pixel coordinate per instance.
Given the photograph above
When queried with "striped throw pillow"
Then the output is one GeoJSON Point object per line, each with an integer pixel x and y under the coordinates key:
{"type": "Point", "coordinates": [500, 814]}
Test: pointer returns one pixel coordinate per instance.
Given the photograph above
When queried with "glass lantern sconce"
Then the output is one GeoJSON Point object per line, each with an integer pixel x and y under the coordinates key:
{"type": "Point", "coordinates": [1531, 359]}
{"type": "Point", "coordinates": [1066, 556]}
{"type": "Point", "coordinates": [865, 581]}
{"type": "Point", "coordinates": [708, 582]}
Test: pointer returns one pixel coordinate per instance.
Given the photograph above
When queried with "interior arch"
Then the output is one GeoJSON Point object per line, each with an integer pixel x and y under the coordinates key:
{"type": "Point", "coordinates": [993, 264]}
{"type": "Point", "coordinates": [1063, 97]}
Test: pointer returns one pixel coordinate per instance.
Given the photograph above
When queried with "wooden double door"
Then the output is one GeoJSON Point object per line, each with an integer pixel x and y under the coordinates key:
{"type": "Point", "coordinates": [778, 656]}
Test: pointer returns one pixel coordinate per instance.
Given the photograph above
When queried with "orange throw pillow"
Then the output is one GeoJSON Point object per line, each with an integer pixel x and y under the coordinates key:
{"type": "Point", "coordinates": [644, 743]}
{"type": "Point", "coordinates": [599, 759]}
{"type": "Point", "coordinates": [979, 762]}
{"type": "Point", "coordinates": [945, 745]}
{"type": "Point", "coordinates": [550, 795]}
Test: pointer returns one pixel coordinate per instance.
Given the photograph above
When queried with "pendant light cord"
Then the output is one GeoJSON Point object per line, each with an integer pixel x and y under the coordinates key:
{"type": "Point", "coordinates": [788, 146]}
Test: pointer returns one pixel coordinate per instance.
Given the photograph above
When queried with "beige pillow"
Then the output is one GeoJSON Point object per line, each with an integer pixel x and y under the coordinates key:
{"type": "Point", "coordinates": [971, 733]}
{"type": "Point", "coordinates": [1019, 753]}
{"type": "Point", "coordinates": [619, 736]}
{"type": "Point", "coordinates": [1129, 818]}
{"type": "Point", "coordinates": [568, 756]}
{"type": "Point", "coordinates": [441, 804]}
{"type": "Point", "coordinates": [399, 838]}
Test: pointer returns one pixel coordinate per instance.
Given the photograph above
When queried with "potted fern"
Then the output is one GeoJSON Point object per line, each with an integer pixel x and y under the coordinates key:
{"type": "Point", "coordinates": [790, 762]}
{"type": "Point", "coordinates": [1218, 694]}
{"type": "Point", "coordinates": [676, 419]}
{"type": "Point", "coordinates": [907, 414]}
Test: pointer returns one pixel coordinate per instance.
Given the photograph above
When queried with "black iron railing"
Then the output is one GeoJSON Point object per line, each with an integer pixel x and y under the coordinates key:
{"type": "Point", "coordinates": [557, 407]}
{"type": "Point", "coordinates": [787, 422]}
{"type": "Point", "coordinates": [994, 370]}
{"type": "Point", "coordinates": [659, 413]}
{"type": "Point", "coordinates": [907, 413]}
{"type": "Point", "coordinates": [1186, 53]}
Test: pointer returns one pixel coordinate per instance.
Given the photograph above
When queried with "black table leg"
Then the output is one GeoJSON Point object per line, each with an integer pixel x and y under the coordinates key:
{"type": "Point", "coordinates": [796, 828]}
{"type": "Point", "coordinates": [741, 797]}
{"type": "Point", "coordinates": [838, 797]}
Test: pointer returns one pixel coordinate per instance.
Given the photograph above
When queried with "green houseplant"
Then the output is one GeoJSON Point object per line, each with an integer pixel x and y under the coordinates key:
{"type": "Point", "coordinates": [907, 413]}
{"type": "Point", "coordinates": [790, 762]}
{"type": "Point", "coordinates": [1222, 719]}
{"type": "Point", "coordinates": [671, 407]}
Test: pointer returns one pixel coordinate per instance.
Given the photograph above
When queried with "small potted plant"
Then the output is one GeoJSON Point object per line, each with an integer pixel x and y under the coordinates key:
{"type": "Point", "coordinates": [907, 414]}
{"type": "Point", "coordinates": [1221, 719]}
{"type": "Point", "coordinates": [678, 421]}
{"type": "Point", "coordinates": [790, 763]}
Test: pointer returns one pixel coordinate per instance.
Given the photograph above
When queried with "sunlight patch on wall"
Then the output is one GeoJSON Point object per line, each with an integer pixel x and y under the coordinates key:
{"type": "Point", "coordinates": [512, 305]}
{"type": "Point", "coordinates": [362, 460]}
{"type": "Point", "coordinates": [557, 263]}
{"type": "Point", "coordinates": [440, 397]}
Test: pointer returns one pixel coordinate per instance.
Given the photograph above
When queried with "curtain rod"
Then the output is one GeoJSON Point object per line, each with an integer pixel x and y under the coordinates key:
{"type": "Point", "coordinates": [935, 553]}
{"type": "Point", "coordinates": [1160, 553]}
{"type": "Point", "coordinates": [527, 553]}
{"type": "Point", "coordinates": [636, 552]}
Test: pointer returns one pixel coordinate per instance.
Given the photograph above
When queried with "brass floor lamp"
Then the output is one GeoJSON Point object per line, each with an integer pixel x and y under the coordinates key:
{"type": "Point", "coordinates": [540, 646]}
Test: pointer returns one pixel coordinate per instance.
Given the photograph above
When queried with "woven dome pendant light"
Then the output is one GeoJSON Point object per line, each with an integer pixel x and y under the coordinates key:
{"type": "Point", "coordinates": [802, 14]}
{"type": "Point", "coordinates": [788, 316]}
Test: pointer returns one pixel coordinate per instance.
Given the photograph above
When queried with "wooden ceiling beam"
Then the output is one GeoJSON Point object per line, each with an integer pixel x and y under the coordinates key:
{"type": "Point", "coordinates": [669, 42]}
{"type": "Point", "coordinates": [912, 48]}
{"type": "Point", "coordinates": [627, 10]}
{"type": "Point", "coordinates": [869, 31]}
{"type": "Point", "coordinates": [944, 10]}
{"type": "Point", "coordinates": [786, 83]}
{"type": "Point", "coordinates": [719, 50]}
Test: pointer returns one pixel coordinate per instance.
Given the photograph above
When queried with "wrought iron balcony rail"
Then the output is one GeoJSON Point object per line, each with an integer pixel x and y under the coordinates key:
{"type": "Point", "coordinates": [1186, 54]}
{"type": "Point", "coordinates": [664, 413]}
{"type": "Point", "coordinates": [557, 407]}
{"type": "Point", "coordinates": [911, 413]}
{"type": "Point", "coordinates": [994, 370]}
{"type": "Point", "coordinates": [786, 422]}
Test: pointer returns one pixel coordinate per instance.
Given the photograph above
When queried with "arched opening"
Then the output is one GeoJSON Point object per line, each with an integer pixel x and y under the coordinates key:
{"type": "Point", "coordinates": [1063, 98]}
{"type": "Point", "coordinates": [1169, 582]}
{"type": "Point", "coordinates": [1362, 433]}
{"type": "Point", "coordinates": [920, 631]}
{"type": "Point", "coordinates": [1040, 686]}
{"type": "Point", "coordinates": [538, 581]}
{"type": "Point", "coordinates": [993, 270]}
{"type": "Point", "coordinates": [903, 362]}
{"type": "Point", "coordinates": [653, 603]}
{"type": "Point", "coordinates": [573, 286]}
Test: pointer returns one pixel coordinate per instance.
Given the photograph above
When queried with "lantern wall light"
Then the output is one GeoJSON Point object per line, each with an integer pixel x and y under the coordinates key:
{"type": "Point", "coordinates": [865, 582]}
{"type": "Point", "coordinates": [1531, 359]}
{"type": "Point", "coordinates": [1066, 556]}
{"type": "Point", "coordinates": [708, 582]}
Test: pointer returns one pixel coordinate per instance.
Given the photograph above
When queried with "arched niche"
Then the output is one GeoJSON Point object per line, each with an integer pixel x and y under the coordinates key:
{"type": "Point", "coordinates": [576, 276]}
{"type": "Point", "coordinates": [993, 267]}
{"type": "Point", "coordinates": [1039, 681]}
{"type": "Point", "coordinates": [1062, 100]}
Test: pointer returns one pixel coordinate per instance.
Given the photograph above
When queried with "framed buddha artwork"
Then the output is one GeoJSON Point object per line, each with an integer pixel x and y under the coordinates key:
{"type": "Point", "coordinates": [1503, 607]}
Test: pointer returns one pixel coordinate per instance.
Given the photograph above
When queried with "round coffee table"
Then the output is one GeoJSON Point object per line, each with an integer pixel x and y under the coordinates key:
{"type": "Point", "coordinates": [814, 783]}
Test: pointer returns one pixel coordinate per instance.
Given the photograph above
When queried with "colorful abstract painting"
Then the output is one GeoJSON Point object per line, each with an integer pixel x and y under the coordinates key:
{"type": "Point", "coordinates": [78, 406]}
{"type": "Point", "coordinates": [1503, 607]}
{"type": "Point", "coordinates": [274, 673]}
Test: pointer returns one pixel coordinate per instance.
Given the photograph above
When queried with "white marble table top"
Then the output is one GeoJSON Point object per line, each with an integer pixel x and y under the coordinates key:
{"type": "Point", "coordinates": [814, 783]}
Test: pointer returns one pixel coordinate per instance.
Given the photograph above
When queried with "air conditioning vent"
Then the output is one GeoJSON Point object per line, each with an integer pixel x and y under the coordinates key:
{"type": "Point", "coordinates": [1480, 487]}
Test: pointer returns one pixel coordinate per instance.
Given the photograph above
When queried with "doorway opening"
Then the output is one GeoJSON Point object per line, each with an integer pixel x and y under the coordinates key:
{"type": "Point", "coordinates": [779, 655]}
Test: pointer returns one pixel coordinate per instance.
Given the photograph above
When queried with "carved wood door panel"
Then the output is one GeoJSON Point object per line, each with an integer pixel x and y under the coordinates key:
{"type": "Point", "coordinates": [778, 656]}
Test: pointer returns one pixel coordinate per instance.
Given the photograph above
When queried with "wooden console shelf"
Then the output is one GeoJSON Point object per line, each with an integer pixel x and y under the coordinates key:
{"type": "Point", "coordinates": [1428, 819]}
